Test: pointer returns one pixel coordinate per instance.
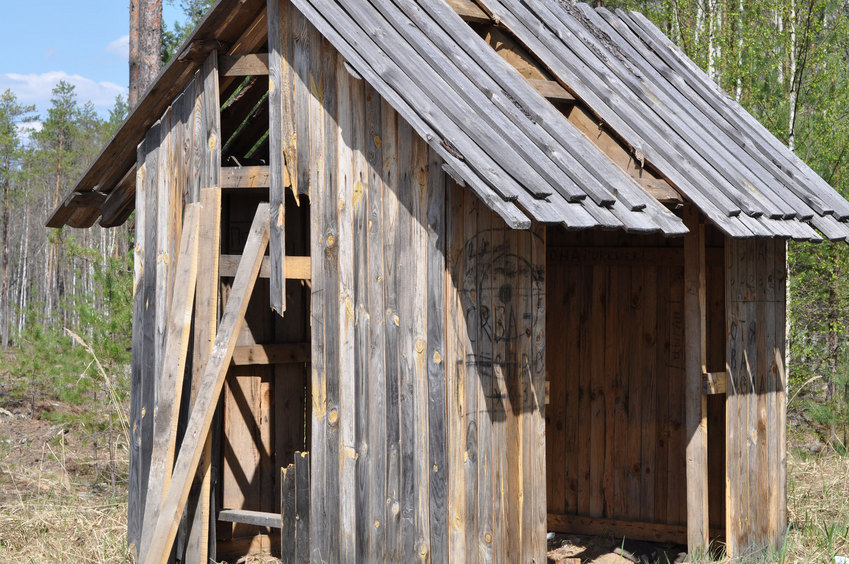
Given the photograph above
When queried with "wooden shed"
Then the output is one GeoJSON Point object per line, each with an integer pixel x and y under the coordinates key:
{"type": "Point", "coordinates": [427, 279]}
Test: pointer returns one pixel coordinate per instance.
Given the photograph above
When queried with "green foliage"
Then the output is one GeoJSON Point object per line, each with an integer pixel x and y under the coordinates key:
{"type": "Point", "coordinates": [173, 37]}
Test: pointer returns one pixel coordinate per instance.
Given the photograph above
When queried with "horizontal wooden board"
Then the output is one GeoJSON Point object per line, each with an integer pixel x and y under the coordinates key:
{"type": "Point", "coordinates": [259, 518]}
{"type": "Point", "coordinates": [286, 353]}
{"type": "Point", "coordinates": [243, 65]}
{"type": "Point", "coordinates": [637, 530]}
{"type": "Point", "coordinates": [297, 268]}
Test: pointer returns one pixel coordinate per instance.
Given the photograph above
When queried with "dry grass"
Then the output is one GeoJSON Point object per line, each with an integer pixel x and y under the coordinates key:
{"type": "Point", "coordinates": [47, 516]}
{"type": "Point", "coordinates": [818, 508]}
{"type": "Point", "coordinates": [57, 510]}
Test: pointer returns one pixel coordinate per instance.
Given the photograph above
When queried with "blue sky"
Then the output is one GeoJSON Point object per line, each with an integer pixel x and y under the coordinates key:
{"type": "Point", "coordinates": [84, 43]}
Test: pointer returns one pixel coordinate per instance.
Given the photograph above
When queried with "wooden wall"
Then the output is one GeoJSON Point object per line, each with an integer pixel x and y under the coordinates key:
{"type": "Point", "coordinates": [177, 158]}
{"type": "Point", "coordinates": [755, 411]}
{"type": "Point", "coordinates": [427, 340]}
{"type": "Point", "coordinates": [615, 436]}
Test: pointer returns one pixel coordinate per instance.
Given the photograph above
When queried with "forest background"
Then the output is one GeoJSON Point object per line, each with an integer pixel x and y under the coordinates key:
{"type": "Point", "coordinates": [65, 295]}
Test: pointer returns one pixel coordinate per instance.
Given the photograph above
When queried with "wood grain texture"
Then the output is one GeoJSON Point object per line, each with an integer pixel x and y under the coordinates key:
{"type": "Point", "coordinates": [625, 460]}
{"type": "Point", "coordinates": [174, 364]}
{"type": "Point", "coordinates": [205, 325]}
{"type": "Point", "coordinates": [755, 405]}
{"type": "Point", "coordinates": [202, 413]}
{"type": "Point", "coordinates": [695, 310]}
{"type": "Point", "coordinates": [279, 102]}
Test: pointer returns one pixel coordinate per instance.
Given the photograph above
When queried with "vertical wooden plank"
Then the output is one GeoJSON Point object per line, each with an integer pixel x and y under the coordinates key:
{"type": "Point", "coordinates": [611, 393]}
{"type": "Point", "coordinates": [648, 439]}
{"type": "Point", "coordinates": [164, 253]}
{"type": "Point", "coordinates": [676, 463]}
{"type": "Point", "coordinates": [435, 361]}
{"type": "Point", "coordinates": [302, 506]}
{"type": "Point", "coordinates": [475, 408]}
{"type": "Point", "coordinates": [599, 309]}
{"type": "Point", "coordinates": [317, 170]}
{"type": "Point", "coordinates": [324, 140]}
{"type": "Point", "coordinates": [763, 250]}
{"type": "Point", "coordinates": [695, 410]}
{"type": "Point", "coordinates": [634, 375]}
{"type": "Point", "coordinates": [736, 422]}
{"type": "Point", "coordinates": [391, 210]}
{"type": "Point", "coordinates": [556, 480]}
{"type": "Point", "coordinates": [362, 313]}
{"type": "Point", "coordinates": [135, 498]}
{"type": "Point", "coordinates": [584, 375]}
{"type": "Point", "coordinates": [206, 142]}
{"type": "Point", "coordinates": [570, 373]}
{"type": "Point", "coordinates": [288, 513]}
{"type": "Point", "coordinates": [780, 415]}
{"type": "Point", "coordinates": [484, 361]}
{"type": "Point", "coordinates": [537, 409]}
{"type": "Point", "coordinates": [619, 374]}
{"type": "Point", "coordinates": [205, 323]}
{"type": "Point", "coordinates": [171, 384]}
{"type": "Point", "coordinates": [498, 264]}
{"type": "Point", "coordinates": [376, 286]}
{"type": "Point", "coordinates": [661, 488]}
{"type": "Point", "coordinates": [280, 130]}
{"type": "Point", "coordinates": [149, 363]}
{"type": "Point", "coordinates": [751, 355]}
{"type": "Point", "coordinates": [530, 483]}
{"type": "Point", "coordinates": [406, 269]}
{"type": "Point", "coordinates": [455, 353]}
{"type": "Point", "coordinates": [419, 279]}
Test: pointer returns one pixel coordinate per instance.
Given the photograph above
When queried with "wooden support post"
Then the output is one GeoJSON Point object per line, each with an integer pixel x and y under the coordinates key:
{"type": "Point", "coordinates": [171, 385]}
{"type": "Point", "coordinates": [280, 142]}
{"type": "Point", "coordinates": [200, 421]}
{"type": "Point", "coordinates": [695, 403]}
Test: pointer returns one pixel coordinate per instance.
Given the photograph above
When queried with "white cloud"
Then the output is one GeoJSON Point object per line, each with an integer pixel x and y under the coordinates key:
{"type": "Point", "coordinates": [28, 128]}
{"type": "Point", "coordinates": [36, 89]}
{"type": "Point", "coordinates": [120, 47]}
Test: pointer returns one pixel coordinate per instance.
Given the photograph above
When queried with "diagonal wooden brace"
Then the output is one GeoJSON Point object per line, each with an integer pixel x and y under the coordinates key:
{"type": "Point", "coordinates": [165, 529]}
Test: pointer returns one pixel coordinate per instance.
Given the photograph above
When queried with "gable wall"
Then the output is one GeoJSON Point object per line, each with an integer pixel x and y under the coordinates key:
{"type": "Point", "coordinates": [427, 338]}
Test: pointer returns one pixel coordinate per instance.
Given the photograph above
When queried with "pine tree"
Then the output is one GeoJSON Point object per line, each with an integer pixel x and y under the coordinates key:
{"type": "Point", "coordinates": [12, 114]}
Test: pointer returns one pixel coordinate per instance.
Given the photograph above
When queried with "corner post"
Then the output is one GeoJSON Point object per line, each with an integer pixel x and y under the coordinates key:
{"type": "Point", "coordinates": [695, 403]}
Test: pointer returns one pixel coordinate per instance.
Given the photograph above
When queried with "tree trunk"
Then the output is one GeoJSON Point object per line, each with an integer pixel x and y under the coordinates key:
{"type": "Point", "coordinates": [4, 329]}
{"type": "Point", "coordinates": [145, 46]}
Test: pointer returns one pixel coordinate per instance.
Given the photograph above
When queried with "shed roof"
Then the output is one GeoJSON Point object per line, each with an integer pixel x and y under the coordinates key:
{"type": "Point", "coordinates": [519, 153]}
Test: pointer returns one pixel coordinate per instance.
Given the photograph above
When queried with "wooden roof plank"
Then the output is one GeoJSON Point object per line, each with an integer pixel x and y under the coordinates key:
{"type": "Point", "coordinates": [734, 130]}
{"type": "Point", "coordinates": [714, 137]}
{"type": "Point", "coordinates": [409, 69]}
{"type": "Point", "coordinates": [222, 23]}
{"type": "Point", "coordinates": [718, 207]}
{"type": "Point", "coordinates": [480, 182]}
{"type": "Point", "coordinates": [588, 53]}
{"type": "Point", "coordinates": [466, 81]}
{"type": "Point", "coordinates": [565, 136]}
{"type": "Point", "coordinates": [788, 162]}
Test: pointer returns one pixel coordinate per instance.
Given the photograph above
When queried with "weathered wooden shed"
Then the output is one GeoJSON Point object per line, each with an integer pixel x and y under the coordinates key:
{"type": "Point", "coordinates": [467, 272]}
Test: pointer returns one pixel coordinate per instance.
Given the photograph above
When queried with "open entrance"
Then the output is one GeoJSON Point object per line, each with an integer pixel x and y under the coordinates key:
{"type": "Point", "coordinates": [615, 422]}
{"type": "Point", "coordinates": [263, 417]}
